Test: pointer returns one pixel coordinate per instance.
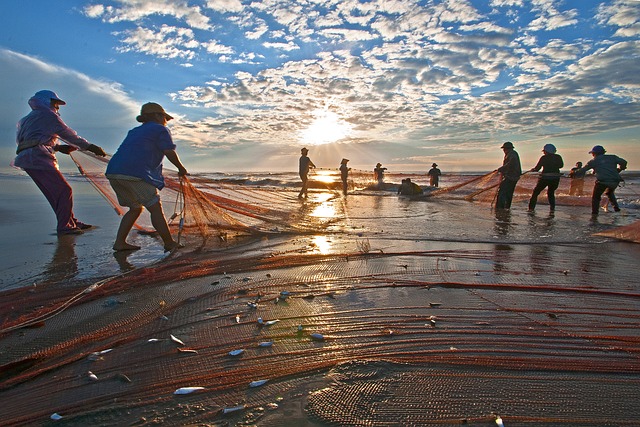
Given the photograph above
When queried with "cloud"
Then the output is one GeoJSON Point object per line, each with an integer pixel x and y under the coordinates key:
{"type": "Point", "coordinates": [136, 10]}
{"type": "Point", "coordinates": [394, 70]}
{"type": "Point", "coordinates": [167, 42]}
{"type": "Point", "coordinates": [624, 14]}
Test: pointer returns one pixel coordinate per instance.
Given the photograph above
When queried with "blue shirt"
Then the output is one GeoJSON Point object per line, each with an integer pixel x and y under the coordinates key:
{"type": "Point", "coordinates": [141, 153]}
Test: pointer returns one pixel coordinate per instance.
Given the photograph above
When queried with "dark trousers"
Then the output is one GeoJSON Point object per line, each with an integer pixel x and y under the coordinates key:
{"type": "Point", "coordinates": [58, 193]}
{"type": "Point", "coordinates": [505, 193]}
{"type": "Point", "coordinates": [606, 189]}
{"type": "Point", "coordinates": [305, 184]}
{"type": "Point", "coordinates": [551, 185]}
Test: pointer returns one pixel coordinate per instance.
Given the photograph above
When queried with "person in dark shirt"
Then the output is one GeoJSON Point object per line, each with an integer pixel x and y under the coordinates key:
{"type": "Point", "coordinates": [344, 175]}
{"type": "Point", "coordinates": [607, 168]}
{"type": "Point", "coordinates": [550, 163]}
{"type": "Point", "coordinates": [434, 175]}
{"type": "Point", "coordinates": [511, 171]}
{"type": "Point", "coordinates": [305, 165]}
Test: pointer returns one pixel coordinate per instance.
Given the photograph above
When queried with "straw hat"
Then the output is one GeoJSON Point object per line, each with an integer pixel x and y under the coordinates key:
{"type": "Point", "coordinates": [152, 108]}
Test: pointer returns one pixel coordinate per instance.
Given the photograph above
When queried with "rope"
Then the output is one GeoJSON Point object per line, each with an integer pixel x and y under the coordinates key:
{"type": "Point", "coordinates": [183, 211]}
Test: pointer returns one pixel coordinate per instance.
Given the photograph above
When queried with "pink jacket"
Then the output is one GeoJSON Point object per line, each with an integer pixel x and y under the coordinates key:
{"type": "Point", "coordinates": [38, 133]}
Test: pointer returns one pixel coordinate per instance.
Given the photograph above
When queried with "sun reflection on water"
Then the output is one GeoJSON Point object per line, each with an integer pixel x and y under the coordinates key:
{"type": "Point", "coordinates": [326, 208]}
{"type": "Point", "coordinates": [323, 244]}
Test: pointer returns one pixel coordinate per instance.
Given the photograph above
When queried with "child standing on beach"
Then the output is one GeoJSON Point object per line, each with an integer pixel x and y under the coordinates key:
{"type": "Point", "coordinates": [135, 173]}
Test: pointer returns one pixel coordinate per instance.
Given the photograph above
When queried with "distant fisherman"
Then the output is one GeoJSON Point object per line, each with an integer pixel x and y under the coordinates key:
{"type": "Point", "coordinates": [511, 171]}
{"type": "Point", "coordinates": [408, 188]}
{"type": "Point", "coordinates": [305, 165]}
{"type": "Point", "coordinates": [607, 168]}
{"type": "Point", "coordinates": [550, 163]}
{"type": "Point", "coordinates": [344, 174]}
{"type": "Point", "coordinates": [37, 140]}
{"type": "Point", "coordinates": [434, 175]}
{"type": "Point", "coordinates": [378, 173]}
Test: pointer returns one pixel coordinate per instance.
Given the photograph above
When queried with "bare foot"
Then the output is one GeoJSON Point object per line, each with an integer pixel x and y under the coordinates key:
{"type": "Point", "coordinates": [173, 245]}
{"type": "Point", "coordinates": [125, 247]}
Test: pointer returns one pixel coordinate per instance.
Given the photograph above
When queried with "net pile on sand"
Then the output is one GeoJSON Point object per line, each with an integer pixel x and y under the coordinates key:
{"type": "Point", "coordinates": [409, 338]}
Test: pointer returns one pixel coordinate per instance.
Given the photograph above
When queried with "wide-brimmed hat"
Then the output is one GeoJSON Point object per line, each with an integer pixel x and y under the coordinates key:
{"type": "Point", "coordinates": [304, 149]}
{"type": "Point", "coordinates": [434, 165]}
{"type": "Point", "coordinates": [344, 160]}
{"type": "Point", "coordinates": [48, 96]}
{"type": "Point", "coordinates": [152, 108]}
{"type": "Point", "coordinates": [507, 144]}
{"type": "Point", "coordinates": [378, 164]}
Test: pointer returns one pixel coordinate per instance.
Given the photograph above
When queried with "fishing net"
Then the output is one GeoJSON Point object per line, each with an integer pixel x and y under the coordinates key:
{"type": "Point", "coordinates": [198, 208]}
{"type": "Point", "coordinates": [630, 233]}
{"type": "Point", "coordinates": [384, 329]}
{"type": "Point", "coordinates": [484, 189]}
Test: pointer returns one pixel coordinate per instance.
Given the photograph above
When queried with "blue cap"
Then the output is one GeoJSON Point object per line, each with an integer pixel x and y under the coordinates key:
{"type": "Point", "coordinates": [47, 96]}
{"type": "Point", "coordinates": [598, 149]}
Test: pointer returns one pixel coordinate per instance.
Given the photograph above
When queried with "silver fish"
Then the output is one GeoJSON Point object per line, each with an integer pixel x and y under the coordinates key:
{"type": "Point", "coordinates": [177, 340]}
{"type": "Point", "coordinates": [317, 337]}
{"type": "Point", "coordinates": [236, 352]}
{"type": "Point", "coordinates": [55, 416]}
{"type": "Point", "coordinates": [232, 409]}
{"type": "Point", "coordinates": [187, 390]}
{"type": "Point", "coordinates": [257, 383]}
{"type": "Point", "coordinates": [265, 344]}
{"type": "Point", "coordinates": [92, 376]}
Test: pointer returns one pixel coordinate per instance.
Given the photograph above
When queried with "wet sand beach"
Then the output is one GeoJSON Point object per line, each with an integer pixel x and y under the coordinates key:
{"type": "Point", "coordinates": [400, 312]}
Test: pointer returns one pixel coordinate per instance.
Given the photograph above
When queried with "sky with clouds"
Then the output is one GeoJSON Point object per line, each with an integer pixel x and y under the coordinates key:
{"type": "Point", "coordinates": [401, 82]}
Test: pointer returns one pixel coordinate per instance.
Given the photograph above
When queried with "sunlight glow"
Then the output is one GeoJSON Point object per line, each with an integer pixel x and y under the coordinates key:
{"type": "Point", "coordinates": [323, 244]}
{"type": "Point", "coordinates": [326, 208]}
{"type": "Point", "coordinates": [326, 127]}
{"type": "Point", "coordinates": [327, 177]}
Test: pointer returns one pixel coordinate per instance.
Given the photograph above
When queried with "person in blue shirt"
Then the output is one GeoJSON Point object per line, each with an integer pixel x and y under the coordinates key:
{"type": "Point", "coordinates": [37, 137]}
{"type": "Point", "coordinates": [135, 174]}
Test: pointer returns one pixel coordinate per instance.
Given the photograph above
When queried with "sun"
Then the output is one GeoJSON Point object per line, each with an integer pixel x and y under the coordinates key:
{"type": "Point", "coordinates": [326, 127]}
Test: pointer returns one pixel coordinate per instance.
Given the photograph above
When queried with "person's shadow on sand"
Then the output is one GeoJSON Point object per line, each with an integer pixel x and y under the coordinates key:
{"type": "Point", "coordinates": [123, 262]}
{"type": "Point", "coordinates": [64, 263]}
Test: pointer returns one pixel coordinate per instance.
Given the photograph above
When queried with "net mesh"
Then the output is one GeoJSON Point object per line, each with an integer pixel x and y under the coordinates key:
{"type": "Point", "coordinates": [431, 334]}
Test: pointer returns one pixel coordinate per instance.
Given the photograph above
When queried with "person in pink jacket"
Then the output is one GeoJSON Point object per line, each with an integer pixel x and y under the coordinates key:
{"type": "Point", "coordinates": [38, 135]}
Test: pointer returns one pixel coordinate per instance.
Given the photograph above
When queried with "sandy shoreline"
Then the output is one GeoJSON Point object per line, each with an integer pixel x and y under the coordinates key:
{"type": "Point", "coordinates": [432, 313]}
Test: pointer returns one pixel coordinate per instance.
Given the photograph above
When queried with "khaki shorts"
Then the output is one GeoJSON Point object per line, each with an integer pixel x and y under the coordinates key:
{"type": "Point", "coordinates": [133, 192]}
